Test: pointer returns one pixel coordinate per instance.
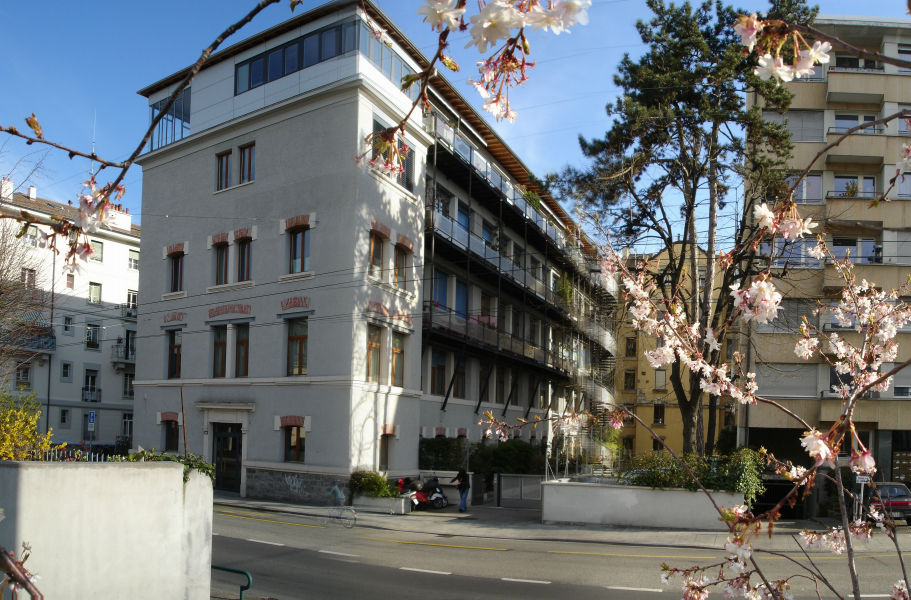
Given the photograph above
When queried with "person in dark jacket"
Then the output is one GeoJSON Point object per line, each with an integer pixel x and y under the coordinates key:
{"type": "Point", "coordinates": [464, 486]}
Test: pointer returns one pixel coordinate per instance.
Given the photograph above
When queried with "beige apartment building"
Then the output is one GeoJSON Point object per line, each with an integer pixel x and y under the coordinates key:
{"type": "Point", "coordinates": [838, 193]}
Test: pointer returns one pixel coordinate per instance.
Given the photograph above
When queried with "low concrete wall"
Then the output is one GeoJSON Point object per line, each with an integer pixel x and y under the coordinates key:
{"type": "Point", "coordinates": [572, 502]}
{"type": "Point", "coordinates": [110, 530]}
{"type": "Point", "coordinates": [292, 486]}
{"type": "Point", "coordinates": [389, 506]}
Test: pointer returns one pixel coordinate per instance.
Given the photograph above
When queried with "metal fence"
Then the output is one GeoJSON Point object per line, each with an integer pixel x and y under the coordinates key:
{"type": "Point", "coordinates": [519, 491]}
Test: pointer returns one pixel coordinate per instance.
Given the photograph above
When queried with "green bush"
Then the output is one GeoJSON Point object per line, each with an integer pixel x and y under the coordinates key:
{"type": "Point", "coordinates": [513, 456]}
{"type": "Point", "coordinates": [372, 484]}
{"type": "Point", "coordinates": [740, 471]}
{"type": "Point", "coordinates": [442, 454]}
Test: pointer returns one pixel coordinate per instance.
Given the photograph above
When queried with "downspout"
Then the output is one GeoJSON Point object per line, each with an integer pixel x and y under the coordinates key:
{"type": "Point", "coordinates": [50, 355]}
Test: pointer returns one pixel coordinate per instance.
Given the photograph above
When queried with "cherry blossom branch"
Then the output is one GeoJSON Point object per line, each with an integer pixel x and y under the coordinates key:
{"type": "Point", "coordinates": [860, 52]}
{"type": "Point", "coordinates": [13, 131]}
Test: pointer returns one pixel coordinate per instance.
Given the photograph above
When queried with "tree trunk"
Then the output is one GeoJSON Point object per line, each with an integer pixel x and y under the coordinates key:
{"type": "Point", "coordinates": [710, 429]}
{"type": "Point", "coordinates": [687, 410]}
{"type": "Point", "coordinates": [708, 302]}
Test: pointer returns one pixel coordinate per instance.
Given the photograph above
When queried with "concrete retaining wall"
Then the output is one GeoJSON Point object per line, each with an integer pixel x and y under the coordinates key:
{"type": "Point", "coordinates": [292, 486]}
{"type": "Point", "coordinates": [110, 530]}
{"type": "Point", "coordinates": [572, 502]}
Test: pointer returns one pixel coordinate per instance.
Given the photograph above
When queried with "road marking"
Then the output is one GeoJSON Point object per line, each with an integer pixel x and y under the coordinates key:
{"type": "Point", "coordinates": [374, 539]}
{"type": "Point", "coordinates": [633, 589]}
{"type": "Point", "coordinates": [236, 516]}
{"type": "Point", "coordinates": [619, 554]}
{"type": "Point", "coordinates": [425, 571]}
{"type": "Point", "coordinates": [524, 580]}
{"type": "Point", "coordinates": [338, 553]}
{"type": "Point", "coordinates": [872, 595]}
{"type": "Point", "coordinates": [264, 542]}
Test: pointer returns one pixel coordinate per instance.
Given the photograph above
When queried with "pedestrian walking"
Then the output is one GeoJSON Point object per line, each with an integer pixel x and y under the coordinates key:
{"type": "Point", "coordinates": [464, 486]}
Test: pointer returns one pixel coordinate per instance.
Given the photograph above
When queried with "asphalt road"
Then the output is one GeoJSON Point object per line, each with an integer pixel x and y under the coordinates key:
{"type": "Point", "coordinates": [298, 557]}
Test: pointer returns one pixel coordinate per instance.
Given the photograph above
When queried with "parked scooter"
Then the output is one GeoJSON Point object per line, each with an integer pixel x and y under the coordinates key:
{"type": "Point", "coordinates": [423, 494]}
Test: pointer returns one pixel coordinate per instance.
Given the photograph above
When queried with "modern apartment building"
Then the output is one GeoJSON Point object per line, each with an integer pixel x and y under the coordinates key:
{"type": "Point", "coordinates": [304, 316]}
{"type": "Point", "coordinates": [837, 193]}
{"type": "Point", "coordinates": [79, 360]}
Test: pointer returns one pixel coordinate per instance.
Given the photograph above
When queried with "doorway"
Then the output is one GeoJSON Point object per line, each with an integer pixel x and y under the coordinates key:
{"type": "Point", "coordinates": [227, 453]}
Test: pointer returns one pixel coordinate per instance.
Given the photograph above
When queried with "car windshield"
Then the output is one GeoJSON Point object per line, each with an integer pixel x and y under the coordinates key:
{"type": "Point", "coordinates": [893, 491]}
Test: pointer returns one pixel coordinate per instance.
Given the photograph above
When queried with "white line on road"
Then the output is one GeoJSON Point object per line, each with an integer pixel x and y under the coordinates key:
{"type": "Point", "coordinates": [264, 542]}
{"type": "Point", "coordinates": [633, 589]}
{"type": "Point", "coordinates": [338, 553]}
{"type": "Point", "coordinates": [524, 580]}
{"type": "Point", "coordinates": [875, 596]}
{"type": "Point", "coordinates": [425, 571]}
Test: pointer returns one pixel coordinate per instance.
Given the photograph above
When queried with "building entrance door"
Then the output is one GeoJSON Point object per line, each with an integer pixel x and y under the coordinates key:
{"type": "Point", "coordinates": [227, 453]}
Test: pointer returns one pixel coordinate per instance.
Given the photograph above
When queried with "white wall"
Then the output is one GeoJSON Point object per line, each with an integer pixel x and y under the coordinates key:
{"type": "Point", "coordinates": [110, 530]}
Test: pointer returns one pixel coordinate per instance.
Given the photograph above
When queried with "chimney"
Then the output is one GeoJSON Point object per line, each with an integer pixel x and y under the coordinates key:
{"type": "Point", "coordinates": [6, 188]}
{"type": "Point", "coordinates": [32, 192]}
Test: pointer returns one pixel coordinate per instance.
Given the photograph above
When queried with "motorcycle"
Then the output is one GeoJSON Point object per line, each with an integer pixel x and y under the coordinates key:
{"type": "Point", "coordinates": [423, 494]}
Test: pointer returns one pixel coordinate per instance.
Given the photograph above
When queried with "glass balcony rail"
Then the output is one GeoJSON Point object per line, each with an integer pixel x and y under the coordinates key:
{"type": "Point", "coordinates": [864, 131]}
{"type": "Point", "coordinates": [876, 69]}
{"type": "Point", "coordinates": [851, 194]}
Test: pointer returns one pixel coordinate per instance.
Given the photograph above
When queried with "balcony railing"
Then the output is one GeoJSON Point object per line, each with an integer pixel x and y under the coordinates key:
{"type": "Point", "coordinates": [128, 311]}
{"type": "Point", "coordinates": [832, 194]}
{"type": "Point", "coordinates": [91, 394]}
{"type": "Point", "coordinates": [864, 131]}
{"type": "Point", "coordinates": [124, 353]}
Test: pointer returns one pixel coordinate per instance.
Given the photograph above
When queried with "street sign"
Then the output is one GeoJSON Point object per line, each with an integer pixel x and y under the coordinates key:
{"type": "Point", "coordinates": [91, 421]}
{"type": "Point", "coordinates": [863, 479]}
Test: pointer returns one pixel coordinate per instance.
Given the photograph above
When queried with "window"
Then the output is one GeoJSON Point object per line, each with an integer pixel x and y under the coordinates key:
{"type": "Point", "coordinates": [297, 346]}
{"type": "Point", "coordinates": [660, 379]}
{"type": "Point", "coordinates": [68, 325]}
{"type": "Point", "coordinates": [244, 259]}
{"type": "Point", "coordinates": [398, 359]}
{"type": "Point", "coordinates": [128, 391]}
{"type": "Point", "coordinates": [860, 250]}
{"type": "Point", "coordinates": [489, 233]}
{"type": "Point", "coordinates": [24, 376]}
{"type": "Point", "coordinates": [171, 435]}
{"type": "Point", "coordinates": [440, 288]}
{"type": "Point", "coordinates": [502, 391]}
{"type": "Point", "coordinates": [94, 293]}
{"type": "Point", "coordinates": [31, 236]}
{"type": "Point", "coordinates": [658, 415]}
{"type": "Point", "coordinates": [458, 383]}
{"type": "Point", "coordinates": [629, 380]}
{"type": "Point", "coordinates": [70, 281]}
{"type": "Point", "coordinates": [853, 186]}
{"type": "Point", "coordinates": [461, 298]}
{"type": "Point", "coordinates": [385, 442]}
{"type": "Point", "coordinates": [126, 425]}
{"type": "Point", "coordinates": [241, 349]}
{"type": "Point", "coordinates": [630, 347]}
{"type": "Point", "coordinates": [221, 264]}
{"type": "Point", "coordinates": [400, 275]}
{"type": "Point", "coordinates": [175, 268]}
{"type": "Point", "coordinates": [27, 277]}
{"type": "Point", "coordinates": [376, 255]}
{"type": "Point", "coordinates": [223, 171]}
{"type": "Point", "coordinates": [219, 350]}
{"type": "Point", "coordinates": [175, 125]}
{"type": "Point", "coordinates": [97, 254]}
{"type": "Point", "coordinates": [790, 317]}
{"type": "Point", "coordinates": [804, 125]}
{"type": "Point", "coordinates": [405, 177]}
{"type": "Point", "coordinates": [132, 298]}
{"type": "Point", "coordinates": [248, 163]}
{"type": "Point", "coordinates": [437, 372]}
{"type": "Point", "coordinates": [66, 371]}
{"type": "Point", "coordinates": [657, 446]}
{"type": "Point", "coordinates": [904, 53]}
{"type": "Point", "coordinates": [90, 391]}
{"type": "Point", "coordinates": [64, 417]}
{"type": "Point", "coordinates": [300, 250]}
{"type": "Point", "coordinates": [295, 437]}
{"type": "Point", "coordinates": [92, 336]}
{"type": "Point", "coordinates": [809, 190]}
{"type": "Point", "coordinates": [133, 260]}
{"type": "Point", "coordinates": [374, 335]}
{"type": "Point", "coordinates": [463, 217]}
{"type": "Point", "coordinates": [844, 122]}
{"type": "Point", "coordinates": [174, 348]}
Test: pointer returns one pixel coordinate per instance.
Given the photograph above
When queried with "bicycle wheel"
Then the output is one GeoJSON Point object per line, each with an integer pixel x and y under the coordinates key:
{"type": "Point", "coordinates": [348, 517]}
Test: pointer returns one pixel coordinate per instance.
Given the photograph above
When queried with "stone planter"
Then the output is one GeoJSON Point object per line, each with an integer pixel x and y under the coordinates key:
{"type": "Point", "coordinates": [632, 506]}
{"type": "Point", "coordinates": [389, 506]}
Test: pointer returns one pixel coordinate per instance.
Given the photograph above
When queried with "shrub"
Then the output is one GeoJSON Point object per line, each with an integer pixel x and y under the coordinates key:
{"type": "Point", "coordinates": [372, 484]}
{"type": "Point", "coordinates": [442, 454]}
{"type": "Point", "coordinates": [513, 456]}
{"type": "Point", "coordinates": [19, 437]}
{"type": "Point", "coordinates": [740, 471]}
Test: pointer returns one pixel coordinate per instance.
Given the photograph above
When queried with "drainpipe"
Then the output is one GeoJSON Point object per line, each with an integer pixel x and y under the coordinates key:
{"type": "Point", "coordinates": [50, 356]}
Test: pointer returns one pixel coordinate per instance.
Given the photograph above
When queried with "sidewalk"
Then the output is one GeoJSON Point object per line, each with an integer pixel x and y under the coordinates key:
{"type": "Point", "coordinates": [491, 522]}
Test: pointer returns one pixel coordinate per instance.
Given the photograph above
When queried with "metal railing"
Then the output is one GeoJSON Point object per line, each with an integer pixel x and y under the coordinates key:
{"type": "Point", "coordinates": [850, 194]}
{"type": "Point", "coordinates": [864, 131]}
{"type": "Point", "coordinates": [123, 352]}
{"type": "Point", "coordinates": [243, 586]}
{"type": "Point", "coordinates": [91, 394]}
{"type": "Point", "coordinates": [128, 311]}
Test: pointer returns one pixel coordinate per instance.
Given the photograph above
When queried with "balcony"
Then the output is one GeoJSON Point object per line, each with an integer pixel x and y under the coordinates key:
{"type": "Point", "coordinates": [128, 312]}
{"type": "Point", "coordinates": [123, 355]}
{"type": "Point", "coordinates": [30, 339]}
{"type": "Point", "coordinates": [856, 85]}
{"type": "Point", "coordinates": [91, 394]}
{"type": "Point", "coordinates": [861, 149]}
{"type": "Point", "coordinates": [880, 275]}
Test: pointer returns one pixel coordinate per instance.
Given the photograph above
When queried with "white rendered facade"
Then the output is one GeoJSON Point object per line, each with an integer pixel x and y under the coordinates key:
{"type": "Point", "coordinates": [81, 366]}
{"type": "Point", "coordinates": [287, 290]}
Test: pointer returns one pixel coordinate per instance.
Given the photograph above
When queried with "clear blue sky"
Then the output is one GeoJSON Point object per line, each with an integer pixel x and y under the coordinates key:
{"type": "Point", "coordinates": [78, 65]}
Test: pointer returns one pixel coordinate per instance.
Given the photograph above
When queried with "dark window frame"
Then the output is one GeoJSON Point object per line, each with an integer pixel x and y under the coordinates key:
{"type": "Point", "coordinates": [222, 170]}
{"type": "Point", "coordinates": [295, 443]}
{"type": "Point", "coordinates": [219, 351]}
{"type": "Point", "coordinates": [175, 345]}
{"type": "Point", "coordinates": [398, 359]}
{"type": "Point", "coordinates": [374, 353]}
{"type": "Point", "coordinates": [297, 343]}
{"type": "Point", "coordinates": [248, 162]}
{"type": "Point", "coordinates": [175, 272]}
{"type": "Point", "coordinates": [299, 249]}
{"type": "Point", "coordinates": [244, 259]}
{"type": "Point", "coordinates": [222, 258]}
{"type": "Point", "coordinates": [242, 350]}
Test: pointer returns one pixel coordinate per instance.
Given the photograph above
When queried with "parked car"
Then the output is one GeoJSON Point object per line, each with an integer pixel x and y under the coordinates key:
{"type": "Point", "coordinates": [896, 500]}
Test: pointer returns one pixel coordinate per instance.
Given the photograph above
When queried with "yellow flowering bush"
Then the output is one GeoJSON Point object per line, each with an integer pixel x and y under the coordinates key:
{"type": "Point", "coordinates": [19, 437]}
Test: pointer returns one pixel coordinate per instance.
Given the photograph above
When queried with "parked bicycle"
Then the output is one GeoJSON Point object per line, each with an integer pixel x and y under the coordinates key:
{"type": "Point", "coordinates": [338, 511]}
